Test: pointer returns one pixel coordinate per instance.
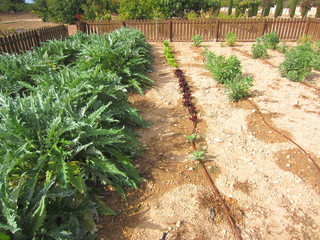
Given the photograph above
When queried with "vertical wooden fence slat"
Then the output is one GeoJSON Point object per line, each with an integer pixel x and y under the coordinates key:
{"type": "Point", "coordinates": [24, 41]}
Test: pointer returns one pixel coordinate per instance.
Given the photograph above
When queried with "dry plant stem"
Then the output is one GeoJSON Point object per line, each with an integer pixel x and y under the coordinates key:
{"type": "Point", "coordinates": [280, 133]}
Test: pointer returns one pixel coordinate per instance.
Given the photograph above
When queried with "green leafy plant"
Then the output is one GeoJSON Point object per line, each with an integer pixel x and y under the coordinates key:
{"type": "Point", "coordinates": [239, 88]}
{"type": "Point", "coordinates": [283, 47]}
{"type": "Point", "coordinates": [223, 69]}
{"type": "Point", "coordinates": [197, 40]}
{"type": "Point", "coordinates": [271, 40]}
{"type": "Point", "coordinates": [316, 46]}
{"type": "Point", "coordinates": [228, 72]}
{"type": "Point", "coordinates": [231, 39]}
{"type": "Point", "coordinates": [304, 38]}
{"type": "Point", "coordinates": [198, 155]}
{"type": "Point", "coordinates": [259, 50]}
{"type": "Point", "coordinates": [168, 53]}
{"type": "Point", "coordinates": [66, 130]}
{"type": "Point", "coordinates": [191, 138]}
{"type": "Point", "coordinates": [316, 61]}
{"type": "Point", "coordinates": [298, 62]}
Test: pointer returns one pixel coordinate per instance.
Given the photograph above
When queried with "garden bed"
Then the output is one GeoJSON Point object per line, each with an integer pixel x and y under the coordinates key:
{"type": "Point", "coordinates": [270, 186]}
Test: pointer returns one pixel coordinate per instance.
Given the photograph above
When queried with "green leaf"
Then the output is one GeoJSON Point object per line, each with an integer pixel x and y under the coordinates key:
{"type": "Point", "coordinates": [75, 176]}
{"type": "Point", "coordinates": [4, 236]}
{"type": "Point", "coordinates": [38, 216]}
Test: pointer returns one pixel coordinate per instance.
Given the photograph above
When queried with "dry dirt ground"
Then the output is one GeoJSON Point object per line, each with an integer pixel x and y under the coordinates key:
{"type": "Point", "coordinates": [26, 21]}
{"type": "Point", "coordinates": [271, 188]}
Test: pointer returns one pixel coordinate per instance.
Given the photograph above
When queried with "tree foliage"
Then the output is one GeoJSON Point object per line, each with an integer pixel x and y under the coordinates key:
{"type": "Point", "coordinates": [279, 8]}
{"type": "Point", "coordinates": [59, 11]}
{"type": "Point", "coordinates": [13, 6]}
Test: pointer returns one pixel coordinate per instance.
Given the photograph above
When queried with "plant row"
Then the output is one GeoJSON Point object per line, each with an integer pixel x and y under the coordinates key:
{"type": "Point", "coordinates": [183, 84]}
{"type": "Point", "coordinates": [66, 131]}
{"type": "Point", "coordinates": [228, 71]}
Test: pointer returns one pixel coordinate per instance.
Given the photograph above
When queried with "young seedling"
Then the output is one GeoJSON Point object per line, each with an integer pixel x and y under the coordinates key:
{"type": "Point", "coordinates": [191, 138]}
{"type": "Point", "coordinates": [198, 155]}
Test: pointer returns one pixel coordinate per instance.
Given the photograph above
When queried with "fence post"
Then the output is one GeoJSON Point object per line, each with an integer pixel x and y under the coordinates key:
{"type": "Point", "coordinates": [38, 37]}
{"type": "Point", "coordinates": [263, 27]}
{"type": "Point", "coordinates": [170, 30]}
{"type": "Point", "coordinates": [66, 31]}
{"type": "Point", "coordinates": [306, 30]}
{"type": "Point", "coordinates": [81, 26]}
{"type": "Point", "coordinates": [216, 34]}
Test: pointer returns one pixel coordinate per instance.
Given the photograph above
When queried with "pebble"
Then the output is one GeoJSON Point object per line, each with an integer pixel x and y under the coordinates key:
{"type": "Point", "coordinates": [288, 165]}
{"type": "Point", "coordinates": [288, 156]}
{"type": "Point", "coordinates": [170, 228]}
{"type": "Point", "coordinates": [176, 125]}
{"type": "Point", "coordinates": [191, 169]}
{"type": "Point", "coordinates": [178, 224]}
{"type": "Point", "coordinates": [218, 139]}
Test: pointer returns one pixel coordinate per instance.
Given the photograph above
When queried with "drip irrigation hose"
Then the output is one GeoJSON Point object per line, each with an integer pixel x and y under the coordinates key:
{"type": "Point", "coordinates": [214, 189]}
{"type": "Point", "coordinates": [269, 125]}
{"type": "Point", "coordinates": [286, 137]}
{"type": "Point", "coordinates": [218, 195]}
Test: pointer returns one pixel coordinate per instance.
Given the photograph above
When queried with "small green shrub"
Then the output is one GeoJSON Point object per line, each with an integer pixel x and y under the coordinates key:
{"type": "Point", "coordinates": [316, 46]}
{"type": "Point", "coordinates": [271, 40]}
{"type": "Point", "coordinates": [316, 61]}
{"type": "Point", "coordinates": [259, 50]}
{"type": "Point", "coordinates": [283, 48]}
{"type": "Point", "coordinates": [224, 69]}
{"type": "Point", "coordinates": [192, 15]}
{"type": "Point", "coordinates": [239, 88]}
{"type": "Point", "coordinates": [168, 53]}
{"type": "Point", "coordinates": [197, 40]}
{"type": "Point", "coordinates": [231, 39]}
{"type": "Point", "coordinates": [228, 71]}
{"type": "Point", "coordinates": [304, 39]}
{"type": "Point", "coordinates": [298, 62]}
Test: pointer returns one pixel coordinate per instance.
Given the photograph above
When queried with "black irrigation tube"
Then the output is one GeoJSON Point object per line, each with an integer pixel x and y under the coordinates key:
{"type": "Point", "coordinates": [270, 126]}
{"type": "Point", "coordinates": [187, 102]}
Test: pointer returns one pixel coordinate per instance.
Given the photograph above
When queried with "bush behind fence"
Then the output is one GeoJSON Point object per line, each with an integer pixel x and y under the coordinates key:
{"type": "Point", "coordinates": [211, 29]}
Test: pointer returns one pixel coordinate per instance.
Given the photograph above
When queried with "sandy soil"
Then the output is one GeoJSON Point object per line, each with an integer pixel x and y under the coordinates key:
{"type": "Point", "coordinates": [270, 186]}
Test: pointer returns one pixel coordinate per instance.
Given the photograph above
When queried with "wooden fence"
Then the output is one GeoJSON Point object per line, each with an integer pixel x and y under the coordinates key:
{"type": "Point", "coordinates": [211, 29]}
{"type": "Point", "coordinates": [24, 41]}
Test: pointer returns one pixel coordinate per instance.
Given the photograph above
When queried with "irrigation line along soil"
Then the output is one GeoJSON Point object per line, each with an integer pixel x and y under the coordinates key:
{"type": "Point", "coordinates": [187, 102]}
{"type": "Point", "coordinates": [271, 64]}
{"type": "Point", "coordinates": [280, 133]}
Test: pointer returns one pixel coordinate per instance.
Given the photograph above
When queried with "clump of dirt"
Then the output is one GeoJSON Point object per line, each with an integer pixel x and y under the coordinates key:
{"type": "Point", "coordinates": [216, 213]}
{"type": "Point", "coordinates": [244, 187]}
{"type": "Point", "coordinates": [295, 161]}
{"type": "Point", "coordinates": [262, 131]}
